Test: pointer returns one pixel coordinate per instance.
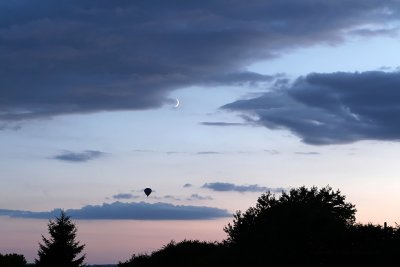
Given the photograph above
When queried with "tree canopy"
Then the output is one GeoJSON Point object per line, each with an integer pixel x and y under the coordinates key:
{"type": "Point", "coordinates": [309, 227]}
{"type": "Point", "coordinates": [302, 214]}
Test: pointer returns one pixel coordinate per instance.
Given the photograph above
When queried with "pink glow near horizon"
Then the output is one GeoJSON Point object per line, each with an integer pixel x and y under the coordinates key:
{"type": "Point", "coordinates": [109, 241]}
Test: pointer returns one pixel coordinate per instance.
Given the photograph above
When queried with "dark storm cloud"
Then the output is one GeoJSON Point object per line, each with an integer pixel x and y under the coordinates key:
{"type": "Point", "coordinates": [128, 211]}
{"type": "Point", "coordinates": [79, 156]}
{"type": "Point", "coordinates": [222, 187]}
{"type": "Point", "coordinates": [71, 56]}
{"type": "Point", "coordinates": [332, 108]}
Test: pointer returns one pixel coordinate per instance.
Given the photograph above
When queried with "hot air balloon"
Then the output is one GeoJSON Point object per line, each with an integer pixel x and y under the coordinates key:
{"type": "Point", "coordinates": [147, 191]}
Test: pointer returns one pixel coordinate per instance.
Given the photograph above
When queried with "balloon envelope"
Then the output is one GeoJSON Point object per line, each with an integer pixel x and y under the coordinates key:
{"type": "Point", "coordinates": [147, 191]}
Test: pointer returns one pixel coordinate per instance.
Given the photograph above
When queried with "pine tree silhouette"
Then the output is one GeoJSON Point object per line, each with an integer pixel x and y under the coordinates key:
{"type": "Point", "coordinates": [60, 249]}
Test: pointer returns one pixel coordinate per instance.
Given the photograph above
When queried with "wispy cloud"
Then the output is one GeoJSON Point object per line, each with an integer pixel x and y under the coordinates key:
{"type": "Point", "coordinates": [175, 152]}
{"type": "Point", "coordinates": [73, 62]}
{"type": "Point", "coordinates": [79, 156]}
{"type": "Point", "coordinates": [171, 197]}
{"type": "Point", "coordinates": [199, 197]}
{"type": "Point", "coordinates": [128, 211]}
{"type": "Point", "coordinates": [125, 196]}
{"type": "Point", "coordinates": [224, 187]}
{"type": "Point", "coordinates": [208, 153]}
{"type": "Point", "coordinates": [307, 153]}
{"type": "Point", "coordinates": [10, 126]}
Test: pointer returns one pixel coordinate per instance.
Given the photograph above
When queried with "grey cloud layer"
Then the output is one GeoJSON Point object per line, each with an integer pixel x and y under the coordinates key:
{"type": "Point", "coordinates": [128, 211]}
{"type": "Point", "coordinates": [332, 108]}
{"type": "Point", "coordinates": [70, 56]}
{"type": "Point", "coordinates": [222, 187]}
{"type": "Point", "coordinates": [79, 156]}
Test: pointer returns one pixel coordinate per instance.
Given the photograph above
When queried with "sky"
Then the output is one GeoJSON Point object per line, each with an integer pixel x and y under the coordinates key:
{"type": "Point", "coordinates": [272, 95]}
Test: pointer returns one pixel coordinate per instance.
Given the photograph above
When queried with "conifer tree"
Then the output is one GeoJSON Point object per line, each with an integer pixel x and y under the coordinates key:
{"type": "Point", "coordinates": [60, 249]}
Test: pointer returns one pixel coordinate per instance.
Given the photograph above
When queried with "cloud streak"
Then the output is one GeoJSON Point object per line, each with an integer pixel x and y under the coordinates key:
{"type": "Point", "coordinates": [225, 187]}
{"type": "Point", "coordinates": [331, 108]}
{"type": "Point", "coordinates": [128, 211]}
{"type": "Point", "coordinates": [312, 153]}
{"type": "Point", "coordinates": [124, 196]}
{"type": "Point", "coordinates": [89, 56]}
{"type": "Point", "coordinates": [79, 156]}
{"type": "Point", "coordinates": [208, 153]}
{"type": "Point", "coordinates": [199, 197]}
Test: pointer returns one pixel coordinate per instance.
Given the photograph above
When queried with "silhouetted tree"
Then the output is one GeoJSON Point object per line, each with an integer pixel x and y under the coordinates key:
{"type": "Point", "coordinates": [304, 227]}
{"type": "Point", "coordinates": [191, 253]}
{"type": "Point", "coordinates": [60, 249]}
{"type": "Point", "coordinates": [375, 245]}
{"type": "Point", "coordinates": [12, 260]}
{"type": "Point", "coordinates": [303, 223]}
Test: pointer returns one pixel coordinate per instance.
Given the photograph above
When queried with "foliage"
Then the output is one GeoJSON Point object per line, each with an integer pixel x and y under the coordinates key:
{"type": "Point", "coordinates": [12, 260]}
{"type": "Point", "coordinates": [186, 253]}
{"type": "Point", "coordinates": [309, 227]}
{"type": "Point", "coordinates": [60, 249]}
{"type": "Point", "coordinates": [304, 227]}
{"type": "Point", "coordinates": [303, 213]}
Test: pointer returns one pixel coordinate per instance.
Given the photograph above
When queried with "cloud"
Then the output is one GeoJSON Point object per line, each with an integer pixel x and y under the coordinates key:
{"type": "Point", "coordinates": [124, 196]}
{"type": "Point", "coordinates": [199, 197]}
{"type": "Point", "coordinates": [331, 108]}
{"type": "Point", "coordinates": [366, 32]}
{"type": "Point", "coordinates": [312, 153]}
{"type": "Point", "coordinates": [241, 78]}
{"type": "Point", "coordinates": [79, 156]}
{"type": "Point", "coordinates": [208, 153]}
{"type": "Point", "coordinates": [170, 197]}
{"type": "Point", "coordinates": [192, 197]}
{"type": "Point", "coordinates": [69, 57]}
{"type": "Point", "coordinates": [187, 185]}
{"type": "Point", "coordinates": [223, 187]}
{"type": "Point", "coordinates": [10, 126]}
{"type": "Point", "coordinates": [128, 211]}
{"type": "Point", "coordinates": [174, 152]}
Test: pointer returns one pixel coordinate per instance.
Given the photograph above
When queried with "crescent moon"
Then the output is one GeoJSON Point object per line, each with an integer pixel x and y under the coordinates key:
{"type": "Point", "coordinates": [177, 103]}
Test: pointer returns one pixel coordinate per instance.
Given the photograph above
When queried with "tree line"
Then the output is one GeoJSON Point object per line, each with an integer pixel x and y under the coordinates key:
{"type": "Point", "coordinates": [302, 227]}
